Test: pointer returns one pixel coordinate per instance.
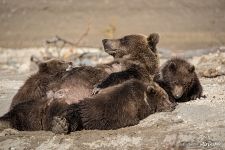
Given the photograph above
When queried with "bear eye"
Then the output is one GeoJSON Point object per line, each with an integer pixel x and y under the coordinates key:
{"type": "Point", "coordinates": [174, 82]}
{"type": "Point", "coordinates": [123, 40]}
{"type": "Point", "coordinates": [185, 84]}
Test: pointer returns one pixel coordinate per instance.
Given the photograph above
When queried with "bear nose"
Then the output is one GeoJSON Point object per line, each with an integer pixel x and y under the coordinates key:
{"type": "Point", "coordinates": [177, 96]}
{"type": "Point", "coordinates": [177, 91]}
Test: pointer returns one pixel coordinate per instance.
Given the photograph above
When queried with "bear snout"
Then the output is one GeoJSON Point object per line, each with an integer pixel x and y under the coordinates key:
{"type": "Point", "coordinates": [110, 46]}
{"type": "Point", "coordinates": [177, 91]}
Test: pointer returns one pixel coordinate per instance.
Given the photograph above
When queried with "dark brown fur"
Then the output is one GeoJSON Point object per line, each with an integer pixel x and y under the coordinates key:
{"type": "Point", "coordinates": [115, 107]}
{"type": "Point", "coordinates": [180, 81]}
{"type": "Point", "coordinates": [36, 86]}
{"type": "Point", "coordinates": [141, 63]}
{"type": "Point", "coordinates": [78, 83]}
{"type": "Point", "coordinates": [123, 105]}
{"type": "Point", "coordinates": [33, 115]}
{"type": "Point", "coordinates": [135, 55]}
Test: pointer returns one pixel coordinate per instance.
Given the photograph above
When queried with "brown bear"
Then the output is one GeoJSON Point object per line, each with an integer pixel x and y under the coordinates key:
{"type": "Point", "coordinates": [114, 107]}
{"type": "Point", "coordinates": [135, 55]}
{"type": "Point", "coordinates": [142, 63]}
{"type": "Point", "coordinates": [178, 78]}
{"type": "Point", "coordinates": [32, 115]}
{"type": "Point", "coordinates": [36, 86]}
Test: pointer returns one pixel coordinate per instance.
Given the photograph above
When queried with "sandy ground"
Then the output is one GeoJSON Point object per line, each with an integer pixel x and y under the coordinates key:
{"type": "Point", "coordinates": [198, 124]}
{"type": "Point", "coordinates": [182, 24]}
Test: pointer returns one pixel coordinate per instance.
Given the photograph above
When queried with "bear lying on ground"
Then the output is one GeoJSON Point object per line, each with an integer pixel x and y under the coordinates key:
{"type": "Point", "coordinates": [135, 57]}
{"type": "Point", "coordinates": [114, 107]}
{"type": "Point", "coordinates": [178, 78]}
{"type": "Point", "coordinates": [132, 50]}
{"type": "Point", "coordinates": [142, 64]}
{"type": "Point", "coordinates": [36, 86]}
{"type": "Point", "coordinates": [31, 115]}
{"type": "Point", "coordinates": [78, 83]}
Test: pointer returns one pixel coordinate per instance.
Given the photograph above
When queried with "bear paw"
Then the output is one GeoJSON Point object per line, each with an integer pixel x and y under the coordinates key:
{"type": "Point", "coordinates": [196, 96]}
{"type": "Point", "coordinates": [60, 125]}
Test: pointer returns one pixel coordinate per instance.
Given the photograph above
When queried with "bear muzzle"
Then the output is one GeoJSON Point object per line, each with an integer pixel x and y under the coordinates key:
{"type": "Point", "coordinates": [177, 91]}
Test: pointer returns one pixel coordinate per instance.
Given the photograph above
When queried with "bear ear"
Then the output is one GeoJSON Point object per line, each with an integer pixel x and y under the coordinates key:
{"type": "Point", "coordinates": [172, 67]}
{"type": "Point", "coordinates": [191, 69]}
{"type": "Point", "coordinates": [153, 40]}
{"type": "Point", "coordinates": [36, 60]}
{"type": "Point", "coordinates": [151, 89]}
{"type": "Point", "coordinates": [43, 67]}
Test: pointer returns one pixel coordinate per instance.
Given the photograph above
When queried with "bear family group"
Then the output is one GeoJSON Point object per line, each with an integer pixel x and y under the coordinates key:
{"type": "Point", "coordinates": [63, 98]}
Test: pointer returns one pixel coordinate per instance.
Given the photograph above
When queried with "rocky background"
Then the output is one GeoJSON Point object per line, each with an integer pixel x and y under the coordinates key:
{"type": "Point", "coordinates": [192, 29]}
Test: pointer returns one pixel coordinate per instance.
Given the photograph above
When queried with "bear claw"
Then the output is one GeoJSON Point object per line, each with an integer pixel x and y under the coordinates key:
{"type": "Point", "coordinates": [60, 125]}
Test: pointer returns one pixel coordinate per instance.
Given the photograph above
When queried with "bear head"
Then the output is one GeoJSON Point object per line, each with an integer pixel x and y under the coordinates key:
{"type": "Point", "coordinates": [158, 99]}
{"type": "Point", "coordinates": [178, 76]}
{"type": "Point", "coordinates": [54, 66]}
{"type": "Point", "coordinates": [131, 45]}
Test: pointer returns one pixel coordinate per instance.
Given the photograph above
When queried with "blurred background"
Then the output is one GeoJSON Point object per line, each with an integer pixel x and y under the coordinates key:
{"type": "Point", "coordinates": [182, 24]}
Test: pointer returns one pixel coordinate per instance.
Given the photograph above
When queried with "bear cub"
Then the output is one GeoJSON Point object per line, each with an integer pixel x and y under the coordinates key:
{"type": "Point", "coordinates": [135, 57]}
{"type": "Point", "coordinates": [36, 86]}
{"type": "Point", "coordinates": [179, 79]}
{"type": "Point", "coordinates": [128, 51]}
{"type": "Point", "coordinates": [114, 107]}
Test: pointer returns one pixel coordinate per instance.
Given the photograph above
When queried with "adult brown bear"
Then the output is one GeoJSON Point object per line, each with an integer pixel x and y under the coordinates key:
{"type": "Point", "coordinates": [135, 57]}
